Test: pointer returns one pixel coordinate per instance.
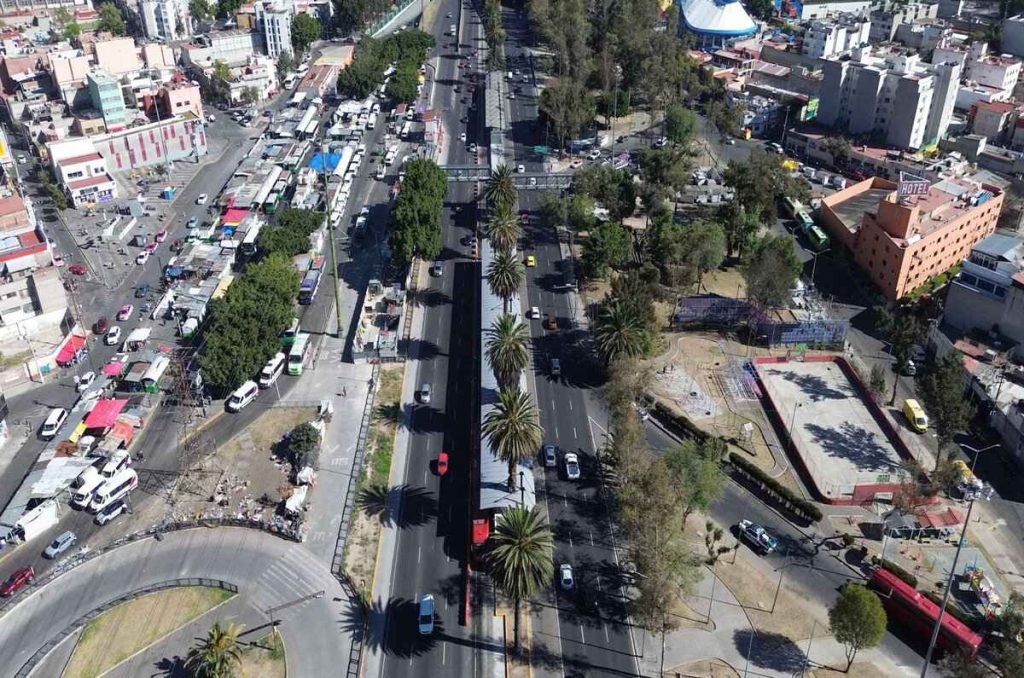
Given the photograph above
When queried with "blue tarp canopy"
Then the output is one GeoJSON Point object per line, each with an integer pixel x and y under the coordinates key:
{"type": "Point", "coordinates": [317, 161]}
{"type": "Point", "coordinates": [173, 271]}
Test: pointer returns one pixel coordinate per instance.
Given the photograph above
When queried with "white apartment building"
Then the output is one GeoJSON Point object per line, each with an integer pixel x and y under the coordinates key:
{"type": "Point", "coordinates": [893, 97]}
{"type": "Point", "coordinates": [835, 37]}
{"type": "Point", "coordinates": [989, 70]}
{"type": "Point", "coordinates": [885, 21]}
{"type": "Point", "coordinates": [166, 19]}
{"type": "Point", "coordinates": [274, 22]}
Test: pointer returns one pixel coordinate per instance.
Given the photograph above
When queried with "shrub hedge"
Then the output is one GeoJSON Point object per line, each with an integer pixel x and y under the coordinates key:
{"type": "Point", "coordinates": [908, 577]}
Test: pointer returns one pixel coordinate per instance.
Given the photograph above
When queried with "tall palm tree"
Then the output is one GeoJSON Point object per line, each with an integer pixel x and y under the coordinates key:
{"type": "Point", "coordinates": [218, 656]}
{"type": "Point", "coordinates": [505, 276]}
{"type": "Point", "coordinates": [501, 187]}
{"type": "Point", "coordinates": [503, 229]}
{"type": "Point", "coordinates": [506, 349]}
{"type": "Point", "coordinates": [520, 557]}
{"type": "Point", "coordinates": [619, 331]}
{"type": "Point", "coordinates": [513, 430]}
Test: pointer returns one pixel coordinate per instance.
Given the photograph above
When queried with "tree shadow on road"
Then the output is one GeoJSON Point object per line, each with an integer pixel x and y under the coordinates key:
{"type": "Point", "coordinates": [172, 667]}
{"type": "Point", "coordinates": [418, 506]}
{"type": "Point", "coordinates": [399, 636]}
{"type": "Point", "coordinates": [772, 651]}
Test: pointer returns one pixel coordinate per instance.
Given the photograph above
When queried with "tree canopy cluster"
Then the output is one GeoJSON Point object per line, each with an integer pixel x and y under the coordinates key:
{"type": "Point", "coordinates": [626, 325]}
{"type": "Point", "coordinates": [406, 50]}
{"type": "Point", "coordinates": [305, 31]}
{"type": "Point", "coordinates": [351, 16]}
{"type": "Point", "coordinates": [243, 327]}
{"type": "Point", "coordinates": [416, 230]}
{"type": "Point", "coordinates": [290, 236]}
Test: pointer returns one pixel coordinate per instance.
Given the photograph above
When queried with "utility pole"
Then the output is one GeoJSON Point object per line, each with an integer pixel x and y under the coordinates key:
{"type": "Point", "coordinates": [330, 236]}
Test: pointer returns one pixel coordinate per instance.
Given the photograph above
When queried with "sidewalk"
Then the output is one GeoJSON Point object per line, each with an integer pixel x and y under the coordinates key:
{"type": "Point", "coordinates": [730, 638]}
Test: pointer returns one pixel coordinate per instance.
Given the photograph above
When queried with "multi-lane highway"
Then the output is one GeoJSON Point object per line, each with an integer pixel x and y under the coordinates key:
{"type": "Point", "coordinates": [584, 632]}
{"type": "Point", "coordinates": [433, 523]}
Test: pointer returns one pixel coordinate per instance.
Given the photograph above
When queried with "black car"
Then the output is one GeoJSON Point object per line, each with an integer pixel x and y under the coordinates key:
{"type": "Point", "coordinates": [141, 291]}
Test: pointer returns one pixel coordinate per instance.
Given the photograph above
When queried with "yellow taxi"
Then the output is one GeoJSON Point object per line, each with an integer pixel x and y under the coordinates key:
{"type": "Point", "coordinates": [531, 261]}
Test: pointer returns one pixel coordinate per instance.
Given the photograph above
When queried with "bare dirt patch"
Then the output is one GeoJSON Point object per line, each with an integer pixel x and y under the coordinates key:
{"type": "Point", "coordinates": [245, 478]}
{"type": "Point", "coordinates": [264, 658]}
{"type": "Point", "coordinates": [371, 493]}
{"type": "Point", "coordinates": [712, 668]}
{"type": "Point", "coordinates": [124, 630]}
{"type": "Point", "coordinates": [858, 670]}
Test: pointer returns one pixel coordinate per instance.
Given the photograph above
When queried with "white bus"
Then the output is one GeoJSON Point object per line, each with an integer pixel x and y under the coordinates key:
{"type": "Point", "coordinates": [298, 353]}
{"type": "Point", "coordinates": [405, 131]}
{"type": "Point", "coordinates": [84, 487]}
{"type": "Point", "coordinates": [272, 370]}
{"type": "Point", "coordinates": [113, 489]}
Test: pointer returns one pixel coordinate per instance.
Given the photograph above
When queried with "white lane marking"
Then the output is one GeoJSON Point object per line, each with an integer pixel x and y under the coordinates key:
{"type": "Point", "coordinates": [570, 404]}
{"type": "Point", "coordinates": [582, 636]}
{"type": "Point", "coordinates": [606, 638]}
{"type": "Point", "coordinates": [599, 583]}
{"type": "Point", "coordinates": [424, 477]}
{"type": "Point", "coordinates": [575, 434]}
{"type": "Point", "coordinates": [591, 537]}
{"type": "Point", "coordinates": [570, 538]}
{"type": "Point", "coordinates": [444, 648]}
{"type": "Point", "coordinates": [419, 553]}
{"type": "Point", "coordinates": [565, 501]}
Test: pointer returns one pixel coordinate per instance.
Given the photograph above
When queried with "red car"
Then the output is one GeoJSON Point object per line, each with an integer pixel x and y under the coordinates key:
{"type": "Point", "coordinates": [17, 581]}
{"type": "Point", "coordinates": [161, 236]}
{"type": "Point", "coordinates": [442, 463]}
{"type": "Point", "coordinates": [78, 269]}
{"type": "Point", "coordinates": [151, 247]}
{"type": "Point", "coordinates": [102, 325]}
{"type": "Point", "coordinates": [524, 217]}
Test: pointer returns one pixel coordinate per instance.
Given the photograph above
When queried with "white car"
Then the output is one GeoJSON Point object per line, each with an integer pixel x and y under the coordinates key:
{"type": "Point", "coordinates": [757, 537]}
{"type": "Point", "coordinates": [594, 154]}
{"type": "Point", "coordinates": [58, 259]}
{"type": "Point", "coordinates": [534, 312]}
{"type": "Point", "coordinates": [113, 336]}
{"type": "Point", "coordinates": [660, 142]}
{"type": "Point", "coordinates": [142, 258]}
{"type": "Point", "coordinates": [520, 169]}
{"type": "Point", "coordinates": [572, 466]}
{"type": "Point", "coordinates": [111, 512]}
{"type": "Point", "coordinates": [565, 579]}
{"type": "Point", "coordinates": [85, 381]}
{"type": "Point", "coordinates": [462, 137]}
{"type": "Point", "coordinates": [92, 394]}
{"type": "Point", "coordinates": [62, 543]}
{"type": "Point", "coordinates": [201, 200]}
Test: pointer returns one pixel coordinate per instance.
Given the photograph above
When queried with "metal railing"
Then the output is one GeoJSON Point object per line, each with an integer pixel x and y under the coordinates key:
{"type": "Point", "coordinates": [41, 653]}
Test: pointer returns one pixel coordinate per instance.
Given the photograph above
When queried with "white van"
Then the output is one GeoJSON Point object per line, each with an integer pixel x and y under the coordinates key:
{"type": "Point", "coordinates": [83, 495]}
{"type": "Point", "coordinates": [242, 396]}
{"type": "Point", "coordinates": [117, 462]}
{"type": "Point", "coordinates": [113, 489]}
{"type": "Point", "coordinates": [272, 370]}
{"type": "Point", "coordinates": [54, 421]}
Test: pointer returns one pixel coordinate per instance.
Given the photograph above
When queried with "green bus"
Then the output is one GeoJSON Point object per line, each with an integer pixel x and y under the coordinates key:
{"type": "Point", "coordinates": [804, 220]}
{"type": "Point", "coordinates": [790, 207]}
{"type": "Point", "coordinates": [288, 336]}
{"type": "Point", "coordinates": [819, 241]}
{"type": "Point", "coordinates": [298, 353]}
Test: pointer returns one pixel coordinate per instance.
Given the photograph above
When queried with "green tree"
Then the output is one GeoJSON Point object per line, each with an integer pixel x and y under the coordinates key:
{"type": "Point", "coordinates": [244, 324]}
{"type": "Point", "coordinates": [250, 95]}
{"type": "Point", "coordinates": [417, 212]}
{"type": "Point", "coordinates": [876, 381]}
{"type": "Point", "coordinates": [305, 31]}
{"type": "Point", "coordinates": [57, 195]}
{"type": "Point", "coordinates": [665, 168]}
{"type": "Point", "coordinates": [568, 107]}
{"type": "Point", "coordinates": [72, 31]}
{"type": "Point", "coordinates": [771, 271]}
{"type": "Point", "coordinates": [291, 234]}
{"type": "Point", "coordinates": [62, 17]}
{"type": "Point", "coordinates": [513, 429]}
{"type": "Point", "coordinates": [505, 276]}
{"type": "Point", "coordinates": [200, 10]}
{"type": "Point", "coordinates": [614, 104]}
{"type": "Point", "coordinates": [963, 665]}
{"type": "Point", "coordinates": [607, 244]}
{"type": "Point", "coordinates": [520, 555]}
{"type": "Point", "coordinates": [612, 189]}
{"type": "Point", "coordinates": [404, 83]}
{"type": "Point", "coordinates": [619, 331]}
{"type": "Point", "coordinates": [220, 76]}
{"type": "Point", "coordinates": [110, 20]}
{"type": "Point", "coordinates": [740, 224]}
{"type": "Point", "coordinates": [285, 65]}
{"type": "Point", "coordinates": [580, 212]}
{"type": "Point", "coordinates": [43, 176]}
{"type": "Point", "coordinates": [838, 147]}
{"type": "Point", "coordinates": [761, 179]}
{"type": "Point", "coordinates": [942, 392]}
{"type": "Point", "coordinates": [706, 240]}
{"type": "Point", "coordinates": [680, 125]}
{"type": "Point", "coordinates": [857, 620]}
{"type": "Point", "coordinates": [304, 445]}
{"type": "Point", "coordinates": [503, 228]}
{"type": "Point", "coordinates": [227, 9]}
{"type": "Point", "coordinates": [501, 187]}
{"type": "Point", "coordinates": [726, 118]}
{"type": "Point", "coordinates": [219, 656]}
{"type": "Point", "coordinates": [507, 350]}
{"type": "Point", "coordinates": [697, 473]}
{"type": "Point", "coordinates": [762, 9]}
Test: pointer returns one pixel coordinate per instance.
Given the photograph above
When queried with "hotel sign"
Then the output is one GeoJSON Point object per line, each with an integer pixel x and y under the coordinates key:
{"type": "Point", "coordinates": [910, 185]}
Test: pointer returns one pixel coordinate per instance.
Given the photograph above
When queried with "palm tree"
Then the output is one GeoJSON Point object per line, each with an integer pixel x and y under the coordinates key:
{"type": "Point", "coordinates": [218, 656]}
{"type": "Point", "coordinates": [506, 349]}
{"type": "Point", "coordinates": [513, 430]}
{"type": "Point", "coordinates": [503, 229]}
{"type": "Point", "coordinates": [619, 331]}
{"type": "Point", "coordinates": [505, 276]}
{"type": "Point", "coordinates": [521, 555]}
{"type": "Point", "coordinates": [501, 187]}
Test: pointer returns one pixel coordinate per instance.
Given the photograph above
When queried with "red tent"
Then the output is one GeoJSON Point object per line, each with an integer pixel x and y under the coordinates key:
{"type": "Point", "coordinates": [68, 351]}
{"type": "Point", "coordinates": [113, 369]}
{"type": "Point", "coordinates": [104, 414]}
{"type": "Point", "coordinates": [233, 217]}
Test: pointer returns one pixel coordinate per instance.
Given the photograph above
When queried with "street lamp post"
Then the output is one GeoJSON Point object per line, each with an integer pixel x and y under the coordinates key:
{"type": "Point", "coordinates": [792, 423]}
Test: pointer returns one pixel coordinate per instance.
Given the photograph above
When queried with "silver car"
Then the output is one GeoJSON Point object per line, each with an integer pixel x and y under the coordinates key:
{"type": "Point", "coordinates": [61, 544]}
{"type": "Point", "coordinates": [550, 459]}
{"type": "Point", "coordinates": [425, 391]}
{"type": "Point", "coordinates": [572, 466]}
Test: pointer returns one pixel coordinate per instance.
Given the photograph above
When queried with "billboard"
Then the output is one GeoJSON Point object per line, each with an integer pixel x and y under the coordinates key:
{"type": "Point", "coordinates": [911, 185]}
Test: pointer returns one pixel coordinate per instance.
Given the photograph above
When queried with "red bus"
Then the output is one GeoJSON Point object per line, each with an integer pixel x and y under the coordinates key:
{"type": "Point", "coordinates": [911, 608]}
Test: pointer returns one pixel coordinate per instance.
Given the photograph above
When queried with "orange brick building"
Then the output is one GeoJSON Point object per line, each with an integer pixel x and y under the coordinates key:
{"type": "Point", "coordinates": [901, 243]}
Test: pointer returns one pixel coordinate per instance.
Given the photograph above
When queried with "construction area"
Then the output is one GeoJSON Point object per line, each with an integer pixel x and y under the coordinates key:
{"type": "Point", "coordinates": [841, 439]}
